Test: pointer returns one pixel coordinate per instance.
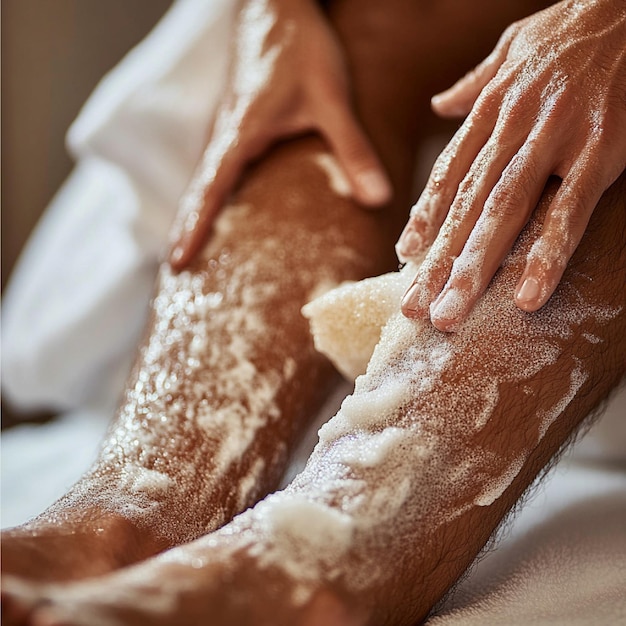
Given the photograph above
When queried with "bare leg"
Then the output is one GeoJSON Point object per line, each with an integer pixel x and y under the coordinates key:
{"type": "Point", "coordinates": [442, 436]}
{"type": "Point", "coordinates": [225, 378]}
{"type": "Point", "coordinates": [471, 463]}
{"type": "Point", "coordinates": [215, 398]}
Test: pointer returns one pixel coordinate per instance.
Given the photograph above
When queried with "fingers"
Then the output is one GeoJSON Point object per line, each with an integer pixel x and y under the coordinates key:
{"type": "Point", "coordinates": [457, 101]}
{"type": "Point", "coordinates": [598, 165]}
{"type": "Point", "coordinates": [199, 208]}
{"type": "Point", "coordinates": [362, 167]}
{"type": "Point", "coordinates": [236, 142]}
{"type": "Point", "coordinates": [444, 184]}
{"type": "Point", "coordinates": [503, 217]}
{"type": "Point", "coordinates": [230, 152]}
{"type": "Point", "coordinates": [431, 209]}
{"type": "Point", "coordinates": [482, 172]}
{"type": "Point", "coordinates": [563, 228]}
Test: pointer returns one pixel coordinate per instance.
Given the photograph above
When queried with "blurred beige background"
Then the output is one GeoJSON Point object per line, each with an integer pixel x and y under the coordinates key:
{"type": "Point", "coordinates": [53, 54]}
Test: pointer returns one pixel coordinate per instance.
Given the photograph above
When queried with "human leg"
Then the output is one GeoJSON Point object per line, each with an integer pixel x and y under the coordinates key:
{"type": "Point", "coordinates": [145, 457]}
{"type": "Point", "coordinates": [213, 379]}
{"type": "Point", "coordinates": [158, 461]}
{"type": "Point", "coordinates": [442, 436]}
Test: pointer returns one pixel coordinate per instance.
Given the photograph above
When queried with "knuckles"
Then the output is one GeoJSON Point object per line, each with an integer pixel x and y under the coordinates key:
{"type": "Point", "coordinates": [505, 201]}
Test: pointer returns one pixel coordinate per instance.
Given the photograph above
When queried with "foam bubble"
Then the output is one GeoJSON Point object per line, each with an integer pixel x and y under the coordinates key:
{"type": "Point", "coordinates": [308, 538]}
{"type": "Point", "coordinates": [336, 178]}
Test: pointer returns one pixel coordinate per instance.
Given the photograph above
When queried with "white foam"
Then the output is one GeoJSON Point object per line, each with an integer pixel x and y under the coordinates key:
{"type": "Point", "coordinates": [247, 484]}
{"type": "Point", "coordinates": [577, 378]}
{"type": "Point", "coordinates": [140, 479]}
{"type": "Point", "coordinates": [364, 410]}
{"type": "Point", "coordinates": [496, 486]}
{"type": "Point", "coordinates": [308, 539]}
{"type": "Point", "coordinates": [369, 450]}
{"type": "Point", "coordinates": [336, 178]}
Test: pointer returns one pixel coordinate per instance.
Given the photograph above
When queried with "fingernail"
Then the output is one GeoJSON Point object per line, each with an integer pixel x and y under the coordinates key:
{"type": "Point", "coordinates": [529, 290]}
{"type": "Point", "coordinates": [440, 99]}
{"type": "Point", "coordinates": [443, 99]}
{"type": "Point", "coordinates": [176, 254]}
{"type": "Point", "coordinates": [409, 244]}
{"type": "Point", "coordinates": [375, 186]}
{"type": "Point", "coordinates": [450, 306]}
{"type": "Point", "coordinates": [437, 99]}
{"type": "Point", "coordinates": [412, 299]}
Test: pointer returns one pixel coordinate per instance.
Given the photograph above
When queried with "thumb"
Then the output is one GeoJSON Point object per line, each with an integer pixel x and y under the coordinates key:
{"type": "Point", "coordinates": [369, 183]}
{"type": "Point", "coordinates": [457, 101]}
{"type": "Point", "coordinates": [213, 182]}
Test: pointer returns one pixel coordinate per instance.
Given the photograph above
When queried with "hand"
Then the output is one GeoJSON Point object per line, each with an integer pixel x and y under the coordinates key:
{"type": "Point", "coordinates": [287, 77]}
{"type": "Point", "coordinates": [549, 100]}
